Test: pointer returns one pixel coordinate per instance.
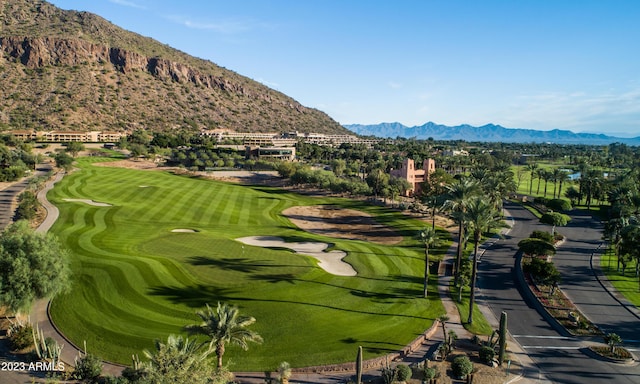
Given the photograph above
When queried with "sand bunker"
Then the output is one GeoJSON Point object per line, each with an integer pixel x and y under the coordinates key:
{"type": "Point", "coordinates": [184, 230]}
{"type": "Point", "coordinates": [341, 223]}
{"type": "Point", "coordinates": [331, 261]}
{"type": "Point", "coordinates": [90, 202]}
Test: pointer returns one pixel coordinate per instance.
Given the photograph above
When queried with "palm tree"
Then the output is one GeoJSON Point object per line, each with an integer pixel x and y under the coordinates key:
{"type": "Point", "coordinates": [531, 168]}
{"type": "Point", "coordinates": [546, 176]}
{"type": "Point", "coordinates": [481, 216]}
{"type": "Point", "coordinates": [225, 325]}
{"type": "Point", "coordinates": [591, 184]}
{"type": "Point", "coordinates": [177, 361]}
{"type": "Point", "coordinates": [499, 186]}
{"type": "Point", "coordinates": [458, 195]}
{"type": "Point", "coordinates": [562, 177]}
{"type": "Point", "coordinates": [613, 232]}
{"type": "Point", "coordinates": [612, 339]}
{"type": "Point", "coordinates": [429, 237]}
{"type": "Point", "coordinates": [539, 173]}
{"type": "Point", "coordinates": [555, 176]}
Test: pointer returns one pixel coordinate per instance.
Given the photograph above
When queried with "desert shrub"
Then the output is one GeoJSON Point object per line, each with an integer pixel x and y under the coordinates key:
{"type": "Point", "coordinates": [27, 206]}
{"type": "Point", "coordinates": [461, 366]}
{"type": "Point", "coordinates": [403, 372]}
{"type": "Point", "coordinates": [88, 367]}
{"type": "Point", "coordinates": [542, 270]}
{"type": "Point", "coordinates": [559, 205]}
{"type": "Point", "coordinates": [431, 372]}
{"type": "Point", "coordinates": [541, 200]}
{"type": "Point", "coordinates": [542, 235]}
{"type": "Point", "coordinates": [486, 354]}
{"type": "Point", "coordinates": [389, 375]}
{"type": "Point", "coordinates": [619, 353]}
{"type": "Point", "coordinates": [21, 336]}
{"type": "Point", "coordinates": [134, 375]}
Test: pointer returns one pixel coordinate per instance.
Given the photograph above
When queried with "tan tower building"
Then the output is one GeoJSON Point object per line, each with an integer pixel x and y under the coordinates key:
{"type": "Point", "coordinates": [414, 176]}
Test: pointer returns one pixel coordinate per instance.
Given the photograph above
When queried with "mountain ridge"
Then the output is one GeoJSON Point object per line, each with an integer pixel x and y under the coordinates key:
{"type": "Point", "coordinates": [69, 70]}
{"type": "Point", "coordinates": [487, 132]}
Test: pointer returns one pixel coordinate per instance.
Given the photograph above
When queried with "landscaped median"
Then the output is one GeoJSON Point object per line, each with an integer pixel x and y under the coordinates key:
{"type": "Point", "coordinates": [565, 318]}
{"type": "Point", "coordinates": [554, 306]}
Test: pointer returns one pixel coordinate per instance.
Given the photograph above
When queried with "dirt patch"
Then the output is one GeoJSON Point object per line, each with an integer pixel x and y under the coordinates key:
{"type": "Point", "coordinates": [131, 164]}
{"type": "Point", "coordinates": [269, 178]}
{"type": "Point", "coordinates": [341, 223]}
{"type": "Point", "coordinates": [444, 223]}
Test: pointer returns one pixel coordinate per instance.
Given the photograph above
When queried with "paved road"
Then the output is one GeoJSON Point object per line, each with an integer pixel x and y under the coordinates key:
{"type": "Point", "coordinates": [558, 357]}
{"type": "Point", "coordinates": [8, 198]}
{"type": "Point", "coordinates": [9, 195]}
{"type": "Point", "coordinates": [581, 285]}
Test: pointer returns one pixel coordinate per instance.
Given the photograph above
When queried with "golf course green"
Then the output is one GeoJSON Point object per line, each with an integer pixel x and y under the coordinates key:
{"type": "Point", "coordinates": [134, 280]}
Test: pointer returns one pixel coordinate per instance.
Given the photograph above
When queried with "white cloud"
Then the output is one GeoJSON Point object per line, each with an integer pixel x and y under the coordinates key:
{"type": "Point", "coordinates": [127, 3]}
{"type": "Point", "coordinates": [394, 85]}
{"type": "Point", "coordinates": [268, 83]}
{"type": "Point", "coordinates": [228, 27]}
{"type": "Point", "coordinates": [576, 111]}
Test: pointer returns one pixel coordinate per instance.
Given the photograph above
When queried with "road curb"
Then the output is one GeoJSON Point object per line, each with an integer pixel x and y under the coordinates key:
{"type": "Point", "coordinates": [603, 280]}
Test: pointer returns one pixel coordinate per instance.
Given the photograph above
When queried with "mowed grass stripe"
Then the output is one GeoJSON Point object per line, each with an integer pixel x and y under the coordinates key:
{"type": "Point", "coordinates": [179, 205]}
{"type": "Point", "coordinates": [123, 289]}
{"type": "Point", "coordinates": [231, 207]}
{"type": "Point", "coordinates": [257, 205]}
{"type": "Point", "coordinates": [135, 281]}
{"type": "Point", "coordinates": [224, 193]}
{"type": "Point", "coordinates": [201, 205]}
{"type": "Point", "coordinates": [166, 202]}
{"type": "Point", "coordinates": [244, 208]}
{"type": "Point", "coordinates": [187, 204]}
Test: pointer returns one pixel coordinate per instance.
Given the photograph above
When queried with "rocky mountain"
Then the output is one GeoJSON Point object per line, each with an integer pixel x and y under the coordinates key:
{"type": "Point", "coordinates": [68, 70]}
{"type": "Point", "coordinates": [487, 133]}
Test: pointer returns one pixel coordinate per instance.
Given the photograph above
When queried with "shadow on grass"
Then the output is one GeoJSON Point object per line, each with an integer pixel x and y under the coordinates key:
{"type": "Point", "coordinates": [195, 296]}
{"type": "Point", "coordinates": [276, 278]}
{"type": "Point", "coordinates": [235, 264]}
{"type": "Point", "coordinates": [271, 190]}
{"type": "Point", "coordinates": [397, 294]}
{"type": "Point", "coordinates": [199, 295]}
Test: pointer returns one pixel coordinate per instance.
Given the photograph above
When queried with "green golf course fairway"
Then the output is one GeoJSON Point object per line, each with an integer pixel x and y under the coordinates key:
{"type": "Point", "coordinates": [135, 281]}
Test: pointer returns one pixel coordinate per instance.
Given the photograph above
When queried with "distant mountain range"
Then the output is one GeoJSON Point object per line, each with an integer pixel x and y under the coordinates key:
{"type": "Point", "coordinates": [487, 133]}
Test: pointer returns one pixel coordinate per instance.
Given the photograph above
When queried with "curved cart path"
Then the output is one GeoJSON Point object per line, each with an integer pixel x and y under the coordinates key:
{"type": "Point", "coordinates": [40, 311]}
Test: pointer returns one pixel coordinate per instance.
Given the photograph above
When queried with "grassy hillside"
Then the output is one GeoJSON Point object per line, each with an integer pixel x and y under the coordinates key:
{"type": "Point", "coordinates": [68, 70]}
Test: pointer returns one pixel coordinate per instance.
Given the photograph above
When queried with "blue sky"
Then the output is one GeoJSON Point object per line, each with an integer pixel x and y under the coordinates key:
{"type": "Point", "coordinates": [522, 64]}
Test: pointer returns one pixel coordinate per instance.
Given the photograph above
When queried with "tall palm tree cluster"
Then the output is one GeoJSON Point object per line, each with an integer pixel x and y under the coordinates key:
{"type": "Point", "coordinates": [559, 176]}
{"type": "Point", "coordinates": [475, 203]}
{"type": "Point", "coordinates": [622, 230]}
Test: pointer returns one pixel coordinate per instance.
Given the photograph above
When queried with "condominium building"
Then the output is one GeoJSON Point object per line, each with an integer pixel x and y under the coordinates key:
{"type": "Point", "coordinates": [68, 136]}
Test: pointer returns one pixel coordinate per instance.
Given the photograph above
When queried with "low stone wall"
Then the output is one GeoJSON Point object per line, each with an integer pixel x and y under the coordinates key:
{"type": "Point", "coordinates": [377, 362]}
